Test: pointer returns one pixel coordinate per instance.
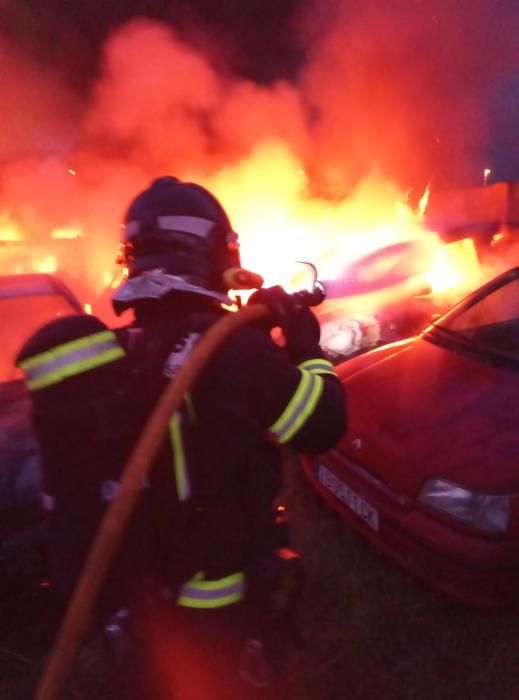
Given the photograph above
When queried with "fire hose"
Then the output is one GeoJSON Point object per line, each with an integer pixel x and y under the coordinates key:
{"type": "Point", "coordinates": [77, 617]}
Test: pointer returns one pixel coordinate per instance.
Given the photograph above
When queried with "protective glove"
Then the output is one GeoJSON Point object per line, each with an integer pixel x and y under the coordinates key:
{"type": "Point", "coordinates": [302, 333]}
{"type": "Point", "coordinates": [299, 325]}
{"type": "Point", "coordinates": [278, 302]}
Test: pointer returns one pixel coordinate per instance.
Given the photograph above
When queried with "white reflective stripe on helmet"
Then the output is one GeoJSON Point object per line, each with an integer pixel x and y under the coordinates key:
{"type": "Point", "coordinates": [186, 224]}
{"type": "Point", "coordinates": [194, 225]}
{"type": "Point", "coordinates": [299, 408]}
{"type": "Point", "coordinates": [201, 593]}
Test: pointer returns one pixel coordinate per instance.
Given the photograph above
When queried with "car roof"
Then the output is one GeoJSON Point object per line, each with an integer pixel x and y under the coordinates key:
{"type": "Point", "coordinates": [35, 284]}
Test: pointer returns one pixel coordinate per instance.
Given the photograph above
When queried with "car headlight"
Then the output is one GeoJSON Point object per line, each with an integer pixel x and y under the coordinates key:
{"type": "Point", "coordinates": [485, 512]}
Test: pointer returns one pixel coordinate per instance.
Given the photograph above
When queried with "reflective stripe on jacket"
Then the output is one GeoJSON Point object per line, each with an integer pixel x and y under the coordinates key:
{"type": "Point", "coordinates": [304, 400]}
{"type": "Point", "coordinates": [180, 464]}
{"type": "Point", "coordinates": [201, 593]}
{"type": "Point", "coordinates": [181, 420]}
{"type": "Point", "coordinates": [70, 359]}
{"type": "Point", "coordinates": [318, 366]}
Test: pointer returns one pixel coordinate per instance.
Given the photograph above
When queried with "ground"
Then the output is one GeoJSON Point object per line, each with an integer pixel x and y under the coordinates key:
{"type": "Point", "coordinates": [368, 629]}
{"type": "Point", "coordinates": [375, 632]}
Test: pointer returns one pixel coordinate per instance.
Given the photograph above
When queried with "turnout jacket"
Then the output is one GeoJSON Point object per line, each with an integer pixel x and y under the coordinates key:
{"type": "Point", "coordinates": [206, 509]}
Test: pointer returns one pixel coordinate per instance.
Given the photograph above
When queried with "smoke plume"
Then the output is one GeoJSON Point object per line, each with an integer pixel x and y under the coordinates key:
{"type": "Point", "coordinates": [400, 91]}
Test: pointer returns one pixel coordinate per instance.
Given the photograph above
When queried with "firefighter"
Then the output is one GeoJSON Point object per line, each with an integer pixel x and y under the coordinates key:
{"type": "Point", "coordinates": [195, 578]}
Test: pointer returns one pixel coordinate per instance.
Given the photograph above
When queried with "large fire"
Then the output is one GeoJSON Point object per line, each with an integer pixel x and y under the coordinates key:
{"type": "Point", "coordinates": [280, 222]}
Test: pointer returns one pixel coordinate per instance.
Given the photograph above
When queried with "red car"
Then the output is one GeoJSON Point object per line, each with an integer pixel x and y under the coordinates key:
{"type": "Point", "coordinates": [429, 469]}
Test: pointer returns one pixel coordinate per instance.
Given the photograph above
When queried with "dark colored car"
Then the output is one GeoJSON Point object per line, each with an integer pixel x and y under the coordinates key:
{"type": "Point", "coordinates": [429, 469]}
{"type": "Point", "coordinates": [27, 301]}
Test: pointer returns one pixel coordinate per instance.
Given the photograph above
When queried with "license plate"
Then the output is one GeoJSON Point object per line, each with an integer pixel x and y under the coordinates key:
{"type": "Point", "coordinates": [348, 496]}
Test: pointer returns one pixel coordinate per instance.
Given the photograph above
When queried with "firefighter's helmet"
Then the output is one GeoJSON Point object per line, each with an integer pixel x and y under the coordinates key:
{"type": "Point", "coordinates": [177, 236]}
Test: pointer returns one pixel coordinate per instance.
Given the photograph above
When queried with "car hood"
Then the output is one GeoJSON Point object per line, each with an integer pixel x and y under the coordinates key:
{"type": "Point", "coordinates": [422, 410]}
{"type": "Point", "coordinates": [19, 457]}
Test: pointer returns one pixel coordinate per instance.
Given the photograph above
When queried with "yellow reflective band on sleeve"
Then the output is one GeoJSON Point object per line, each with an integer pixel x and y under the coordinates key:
{"type": "Point", "coordinates": [179, 458]}
{"type": "Point", "coordinates": [299, 408]}
{"type": "Point", "coordinates": [200, 593]}
{"type": "Point", "coordinates": [70, 359]}
{"type": "Point", "coordinates": [318, 366]}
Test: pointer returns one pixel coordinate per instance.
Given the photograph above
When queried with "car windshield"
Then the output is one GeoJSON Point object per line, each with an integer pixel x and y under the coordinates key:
{"type": "Point", "coordinates": [19, 318]}
{"type": "Point", "coordinates": [490, 323]}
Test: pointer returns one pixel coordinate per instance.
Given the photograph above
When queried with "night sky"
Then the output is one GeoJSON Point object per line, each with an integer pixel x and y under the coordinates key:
{"type": "Point", "coordinates": [256, 36]}
{"type": "Point", "coordinates": [451, 66]}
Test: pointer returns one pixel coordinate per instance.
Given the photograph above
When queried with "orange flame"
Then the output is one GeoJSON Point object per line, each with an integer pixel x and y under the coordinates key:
{"type": "Point", "coordinates": [9, 229]}
{"type": "Point", "coordinates": [454, 266]}
{"type": "Point", "coordinates": [48, 264]}
{"type": "Point", "coordinates": [280, 221]}
{"type": "Point", "coordinates": [424, 200]}
{"type": "Point", "coordinates": [67, 232]}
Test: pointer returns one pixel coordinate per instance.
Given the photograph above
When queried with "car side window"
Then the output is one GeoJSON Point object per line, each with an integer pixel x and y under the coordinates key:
{"type": "Point", "coordinates": [492, 323]}
{"type": "Point", "coordinates": [499, 306]}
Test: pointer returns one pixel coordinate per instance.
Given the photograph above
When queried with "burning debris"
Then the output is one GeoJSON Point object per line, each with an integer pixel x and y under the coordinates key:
{"type": "Point", "coordinates": [349, 336]}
